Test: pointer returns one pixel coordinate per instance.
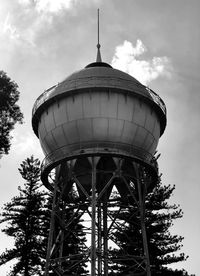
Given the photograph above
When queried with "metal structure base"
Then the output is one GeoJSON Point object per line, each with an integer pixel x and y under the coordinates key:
{"type": "Point", "coordinates": [105, 195]}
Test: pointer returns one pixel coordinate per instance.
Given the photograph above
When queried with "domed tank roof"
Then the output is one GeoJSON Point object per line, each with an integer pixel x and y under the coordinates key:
{"type": "Point", "coordinates": [98, 75]}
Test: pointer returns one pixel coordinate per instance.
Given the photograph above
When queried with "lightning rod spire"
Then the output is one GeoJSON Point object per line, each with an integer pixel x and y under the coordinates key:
{"type": "Point", "coordinates": [98, 45]}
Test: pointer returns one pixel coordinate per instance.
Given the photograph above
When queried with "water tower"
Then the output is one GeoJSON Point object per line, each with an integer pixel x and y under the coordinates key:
{"type": "Point", "coordinates": [99, 129]}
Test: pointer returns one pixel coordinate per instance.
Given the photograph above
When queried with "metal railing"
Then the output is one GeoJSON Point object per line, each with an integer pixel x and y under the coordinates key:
{"type": "Point", "coordinates": [157, 100]}
{"type": "Point", "coordinates": [101, 82]}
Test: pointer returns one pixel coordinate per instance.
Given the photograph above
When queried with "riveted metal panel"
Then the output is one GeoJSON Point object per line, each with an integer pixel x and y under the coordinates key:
{"type": "Point", "coordinates": [156, 130]}
{"type": "Point", "coordinates": [85, 129]}
{"type": "Point", "coordinates": [50, 141]}
{"type": "Point", "coordinates": [60, 112]}
{"type": "Point", "coordinates": [139, 113]}
{"type": "Point", "coordinates": [42, 130]}
{"type": "Point", "coordinates": [59, 136]}
{"type": "Point", "coordinates": [74, 107]}
{"type": "Point", "coordinates": [151, 117]}
{"type": "Point", "coordinates": [91, 104]}
{"type": "Point", "coordinates": [71, 132]}
{"type": "Point", "coordinates": [108, 104]}
{"type": "Point", "coordinates": [100, 128]}
{"type": "Point", "coordinates": [153, 146]}
{"type": "Point", "coordinates": [125, 107]}
{"type": "Point", "coordinates": [115, 128]}
{"type": "Point", "coordinates": [129, 132]}
{"type": "Point", "coordinates": [140, 136]}
{"type": "Point", "coordinates": [147, 141]}
{"type": "Point", "coordinates": [48, 119]}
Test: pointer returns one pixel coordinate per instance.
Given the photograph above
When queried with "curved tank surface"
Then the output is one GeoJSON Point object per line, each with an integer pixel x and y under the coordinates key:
{"type": "Point", "coordinates": [99, 109]}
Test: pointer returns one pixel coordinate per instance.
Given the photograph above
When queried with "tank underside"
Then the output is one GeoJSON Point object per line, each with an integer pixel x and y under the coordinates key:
{"type": "Point", "coordinates": [150, 167]}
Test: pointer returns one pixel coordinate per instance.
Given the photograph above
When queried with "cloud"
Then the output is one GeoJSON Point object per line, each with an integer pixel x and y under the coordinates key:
{"type": "Point", "coordinates": [52, 5]}
{"type": "Point", "coordinates": [24, 22]}
{"type": "Point", "coordinates": [126, 59]}
{"type": "Point", "coordinates": [25, 144]}
{"type": "Point", "coordinates": [48, 6]}
{"type": "Point", "coordinates": [9, 28]}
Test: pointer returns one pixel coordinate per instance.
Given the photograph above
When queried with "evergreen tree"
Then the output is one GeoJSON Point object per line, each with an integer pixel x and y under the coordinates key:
{"type": "Point", "coordinates": [23, 216]}
{"type": "Point", "coordinates": [74, 238]}
{"type": "Point", "coordinates": [27, 219]}
{"type": "Point", "coordinates": [10, 112]}
{"type": "Point", "coordinates": [164, 248]}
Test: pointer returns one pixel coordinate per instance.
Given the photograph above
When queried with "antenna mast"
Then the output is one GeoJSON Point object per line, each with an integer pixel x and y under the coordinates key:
{"type": "Point", "coordinates": [98, 44]}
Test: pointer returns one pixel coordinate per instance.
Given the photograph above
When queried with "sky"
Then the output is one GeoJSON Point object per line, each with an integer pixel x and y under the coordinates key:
{"type": "Point", "coordinates": [156, 41]}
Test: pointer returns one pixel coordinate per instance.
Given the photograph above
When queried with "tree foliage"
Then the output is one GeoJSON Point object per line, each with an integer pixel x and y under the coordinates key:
{"type": "Point", "coordinates": [23, 217]}
{"type": "Point", "coordinates": [73, 237]}
{"type": "Point", "coordinates": [27, 221]}
{"type": "Point", "coordinates": [164, 247]}
{"type": "Point", "coordinates": [10, 112]}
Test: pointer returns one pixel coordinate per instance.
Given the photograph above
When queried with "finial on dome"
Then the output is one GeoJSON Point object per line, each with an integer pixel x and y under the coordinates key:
{"type": "Point", "coordinates": [98, 45]}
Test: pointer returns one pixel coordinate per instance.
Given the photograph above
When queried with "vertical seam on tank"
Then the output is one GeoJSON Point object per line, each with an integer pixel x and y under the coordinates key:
{"type": "Point", "coordinates": [151, 143]}
{"type": "Point", "coordinates": [92, 122]}
{"type": "Point", "coordinates": [52, 128]}
{"type": "Point", "coordinates": [107, 129]}
{"type": "Point", "coordinates": [83, 114]}
{"type": "Point", "coordinates": [78, 132]}
{"type": "Point", "coordinates": [44, 126]}
{"type": "Point", "coordinates": [135, 132]}
{"type": "Point", "coordinates": [46, 143]}
{"type": "Point", "coordinates": [53, 114]}
{"type": "Point", "coordinates": [100, 113]}
{"type": "Point", "coordinates": [145, 128]}
{"type": "Point", "coordinates": [54, 138]}
{"type": "Point", "coordinates": [66, 108]}
{"type": "Point", "coordinates": [122, 130]}
{"type": "Point", "coordinates": [145, 119]}
{"type": "Point", "coordinates": [133, 108]}
{"type": "Point", "coordinates": [64, 134]}
{"type": "Point", "coordinates": [154, 127]}
{"type": "Point", "coordinates": [148, 133]}
{"type": "Point", "coordinates": [117, 105]}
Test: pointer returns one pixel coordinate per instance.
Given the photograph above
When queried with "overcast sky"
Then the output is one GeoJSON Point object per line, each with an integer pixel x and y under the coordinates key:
{"type": "Point", "coordinates": [156, 41]}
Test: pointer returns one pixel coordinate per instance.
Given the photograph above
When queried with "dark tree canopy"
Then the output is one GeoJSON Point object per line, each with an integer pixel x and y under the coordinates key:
{"type": "Point", "coordinates": [10, 112]}
{"type": "Point", "coordinates": [164, 248]}
{"type": "Point", "coordinates": [23, 216]}
{"type": "Point", "coordinates": [27, 221]}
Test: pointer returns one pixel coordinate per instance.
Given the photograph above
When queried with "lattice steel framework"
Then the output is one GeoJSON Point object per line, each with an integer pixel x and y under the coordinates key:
{"type": "Point", "coordinates": [108, 194]}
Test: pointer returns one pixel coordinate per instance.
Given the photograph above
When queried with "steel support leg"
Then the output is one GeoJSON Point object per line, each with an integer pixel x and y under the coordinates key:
{"type": "Point", "coordinates": [51, 232]}
{"type": "Point", "coordinates": [105, 235]}
{"type": "Point", "coordinates": [141, 196]}
{"type": "Point", "coordinates": [93, 230]}
{"type": "Point", "coordinates": [99, 240]}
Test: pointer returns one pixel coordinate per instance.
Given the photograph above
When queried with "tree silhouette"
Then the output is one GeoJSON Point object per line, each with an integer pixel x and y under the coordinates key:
{"type": "Point", "coordinates": [27, 219]}
{"type": "Point", "coordinates": [10, 112]}
{"type": "Point", "coordinates": [23, 216]}
{"type": "Point", "coordinates": [164, 248]}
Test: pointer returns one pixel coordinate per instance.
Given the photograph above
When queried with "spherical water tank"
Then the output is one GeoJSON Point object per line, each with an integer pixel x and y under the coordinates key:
{"type": "Point", "coordinates": [98, 110]}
